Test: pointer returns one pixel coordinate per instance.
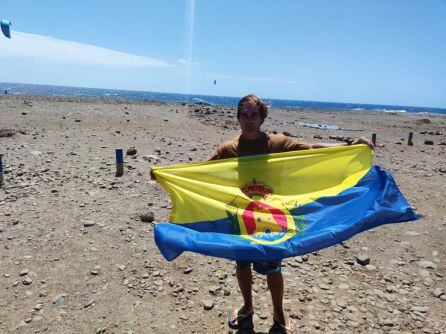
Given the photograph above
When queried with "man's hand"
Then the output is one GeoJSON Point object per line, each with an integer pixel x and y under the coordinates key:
{"type": "Point", "coordinates": [364, 140]}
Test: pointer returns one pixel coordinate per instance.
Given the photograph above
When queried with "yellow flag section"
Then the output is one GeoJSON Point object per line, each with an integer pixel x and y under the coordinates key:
{"type": "Point", "coordinates": [202, 191]}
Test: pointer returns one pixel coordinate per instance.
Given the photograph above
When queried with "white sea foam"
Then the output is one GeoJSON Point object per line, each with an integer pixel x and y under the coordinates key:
{"type": "Point", "coordinates": [392, 110]}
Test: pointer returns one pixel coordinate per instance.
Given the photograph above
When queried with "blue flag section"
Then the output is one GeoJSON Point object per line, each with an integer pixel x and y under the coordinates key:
{"type": "Point", "coordinates": [318, 222]}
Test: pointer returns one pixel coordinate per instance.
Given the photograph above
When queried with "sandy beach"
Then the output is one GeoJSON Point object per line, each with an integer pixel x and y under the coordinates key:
{"type": "Point", "coordinates": [77, 258]}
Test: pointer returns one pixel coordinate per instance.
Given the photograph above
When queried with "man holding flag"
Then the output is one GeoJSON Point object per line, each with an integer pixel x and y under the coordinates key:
{"type": "Point", "coordinates": [251, 113]}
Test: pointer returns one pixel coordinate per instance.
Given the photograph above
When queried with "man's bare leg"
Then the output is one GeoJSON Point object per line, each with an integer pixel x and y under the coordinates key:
{"type": "Point", "coordinates": [244, 278]}
{"type": "Point", "coordinates": [275, 285]}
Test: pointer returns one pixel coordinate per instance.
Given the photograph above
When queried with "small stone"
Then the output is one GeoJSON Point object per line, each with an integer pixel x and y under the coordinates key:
{"type": "Point", "coordinates": [363, 259]}
{"type": "Point", "coordinates": [88, 223]}
{"type": "Point", "coordinates": [38, 307]}
{"type": "Point", "coordinates": [23, 272]}
{"type": "Point", "coordinates": [121, 267]}
{"type": "Point", "coordinates": [91, 302]}
{"type": "Point", "coordinates": [178, 289]}
{"type": "Point", "coordinates": [263, 316]}
{"type": "Point", "coordinates": [60, 300]}
{"type": "Point", "coordinates": [428, 142]}
{"type": "Point", "coordinates": [27, 281]}
{"type": "Point", "coordinates": [208, 304]}
{"type": "Point", "coordinates": [427, 265]}
{"type": "Point", "coordinates": [214, 289]}
{"type": "Point", "coordinates": [421, 309]}
{"type": "Point", "coordinates": [188, 270]}
{"type": "Point", "coordinates": [438, 292]}
{"type": "Point", "coordinates": [147, 217]}
{"type": "Point", "coordinates": [131, 151]}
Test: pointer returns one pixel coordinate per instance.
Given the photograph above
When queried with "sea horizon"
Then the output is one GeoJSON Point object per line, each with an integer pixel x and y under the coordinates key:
{"type": "Point", "coordinates": [104, 93]}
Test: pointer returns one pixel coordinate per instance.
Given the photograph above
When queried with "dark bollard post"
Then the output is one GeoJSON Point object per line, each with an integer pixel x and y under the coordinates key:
{"type": "Point", "coordinates": [119, 162]}
{"type": "Point", "coordinates": [409, 141]}
{"type": "Point", "coordinates": [374, 138]}
{"type": "Point", "coordinates": [2, 180]}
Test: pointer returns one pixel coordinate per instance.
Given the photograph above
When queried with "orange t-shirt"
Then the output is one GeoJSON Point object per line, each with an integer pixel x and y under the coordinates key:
{"type": "Point", "coordinates": [266, 143]}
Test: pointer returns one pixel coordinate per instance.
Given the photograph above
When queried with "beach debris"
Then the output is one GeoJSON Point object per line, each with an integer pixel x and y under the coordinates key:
{"type": "Point", "coordinates": [131, 151]}
{"type": "Point", "coordinates": [147, 217]}
{"type": "Point", "coordinates": [152, 158]}
{"type": "Point", "coordinates": [5, 132]}
{"type": "Point", "coordinates": [61, 300]}
{"type": "Point", "coordinates": [321, 126]}
{"type": "Point", "coordinates": [423, 121]}
{"type": "Point", "coordinates": [347, 140]}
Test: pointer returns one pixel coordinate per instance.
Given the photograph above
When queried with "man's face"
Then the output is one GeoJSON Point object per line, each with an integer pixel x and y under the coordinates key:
{"type": "Point", "coordinates": [250, 119]}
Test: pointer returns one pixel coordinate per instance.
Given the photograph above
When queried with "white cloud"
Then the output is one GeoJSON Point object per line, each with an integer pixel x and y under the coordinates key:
{"type": "Point", "coordinates": [48, 49]}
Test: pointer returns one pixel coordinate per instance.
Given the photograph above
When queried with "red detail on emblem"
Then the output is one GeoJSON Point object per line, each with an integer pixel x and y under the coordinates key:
{"type": "Point", "coordinates": [256, 189]}
{"type": "Point", "coordinates": [255, 206]}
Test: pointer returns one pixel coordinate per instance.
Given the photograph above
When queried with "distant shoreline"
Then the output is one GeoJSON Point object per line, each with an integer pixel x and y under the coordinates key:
{"type": "Point", "coordinates": [154, 97]}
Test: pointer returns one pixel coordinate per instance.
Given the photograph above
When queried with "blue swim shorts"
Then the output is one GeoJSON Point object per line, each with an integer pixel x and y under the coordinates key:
{"type": "Point", "coordinates": [262, 267]}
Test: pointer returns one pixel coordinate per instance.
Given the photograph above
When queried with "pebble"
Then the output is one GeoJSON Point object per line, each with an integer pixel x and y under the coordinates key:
{"type": "Point", "coordinates": [27, 281]}
{"type": "Point", "coordinates": [147, 217]}
{"type": "Point", "coordinates": [178, 289]}
{"type": "Point", "coordinates": [23, 272]}
{"type": "Point", "coordinates": [188, 270]}
{"type": "Point", "coordinates": [214, 289]}
{"type": "Point", "coordinates": [60, 300]}
{"type": "Point", "coordinates": [438, 292]}
{"type": "Point", "coordinates": [131, 151]}
{"type": "Point", "coordinates": [421, 309]}
{"type": "Point", "coordinates": [427, 265]}
{"type": "Point", "coordinates": [88, 223]}
{"type": "Point", "coordinates": [208, 304]}
{"type": "Point", "coordinates": [363, 259]}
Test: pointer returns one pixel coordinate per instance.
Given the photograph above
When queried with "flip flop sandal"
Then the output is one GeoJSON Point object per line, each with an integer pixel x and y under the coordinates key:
{"type": "Point", "coordinates": [237, 320]}
{"type": "Point", "coordinates": [288, 328]}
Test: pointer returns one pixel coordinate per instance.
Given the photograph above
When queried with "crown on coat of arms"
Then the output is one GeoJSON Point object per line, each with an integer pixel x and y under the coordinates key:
{"type": "Point", "coordinates": [253, 188]}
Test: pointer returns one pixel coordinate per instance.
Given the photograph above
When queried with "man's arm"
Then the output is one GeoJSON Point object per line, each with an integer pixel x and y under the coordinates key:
{"type": "Point", "coordinates": [361, 140]}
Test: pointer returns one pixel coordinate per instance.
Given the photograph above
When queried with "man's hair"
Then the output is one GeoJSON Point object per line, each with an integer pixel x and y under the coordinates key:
{"type": "Point", "coordinates": [254, 100]}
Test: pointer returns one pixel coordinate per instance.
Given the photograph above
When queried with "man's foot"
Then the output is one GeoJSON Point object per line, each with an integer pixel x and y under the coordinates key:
{"type": "Point", "coordinates": [289, 327]}
{"type": "Point", "coordinates": [241, 319]}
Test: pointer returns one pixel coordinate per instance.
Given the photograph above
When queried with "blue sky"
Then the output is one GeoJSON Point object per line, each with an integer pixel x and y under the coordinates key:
{"type": "Point", "coordinates": [381, 51]}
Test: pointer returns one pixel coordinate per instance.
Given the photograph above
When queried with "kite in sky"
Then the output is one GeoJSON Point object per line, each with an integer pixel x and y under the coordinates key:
{"type": "Point", "coordinates": [5, 27]}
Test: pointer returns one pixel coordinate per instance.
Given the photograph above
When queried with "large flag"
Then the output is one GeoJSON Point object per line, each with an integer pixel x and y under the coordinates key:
{"type": "Point", "coordinates": [273, 206]}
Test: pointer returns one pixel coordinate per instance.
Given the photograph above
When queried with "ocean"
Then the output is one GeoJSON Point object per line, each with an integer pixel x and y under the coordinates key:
{"type": "Point", "coordinates": [31, 89]}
